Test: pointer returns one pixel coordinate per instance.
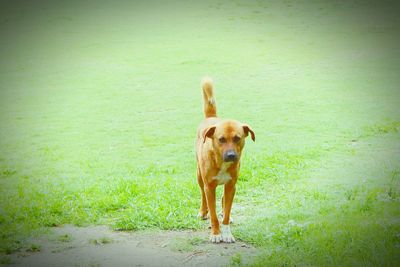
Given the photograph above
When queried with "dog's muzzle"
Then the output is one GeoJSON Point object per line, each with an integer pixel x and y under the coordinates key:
{"type": "Point", "coordinates": [230, 156]}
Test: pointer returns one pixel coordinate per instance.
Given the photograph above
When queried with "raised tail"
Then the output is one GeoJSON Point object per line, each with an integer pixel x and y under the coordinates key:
{"type": "Point", "coordinates": [210, 108]}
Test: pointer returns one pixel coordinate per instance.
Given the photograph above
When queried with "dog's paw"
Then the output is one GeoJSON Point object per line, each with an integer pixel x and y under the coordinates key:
{"type": "Point", "coordinates": [215, 238]}
{"type": "Point", "coordinates": [226, 234]}
{"type": "Point", "coordinates": [202, 216]}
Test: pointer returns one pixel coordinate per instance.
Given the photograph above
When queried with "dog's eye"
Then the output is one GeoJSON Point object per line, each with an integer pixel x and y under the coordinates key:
{"type": "Point", "coordinates": [236, 139]}
{"type": "Point", "coordinates": [222, 140]}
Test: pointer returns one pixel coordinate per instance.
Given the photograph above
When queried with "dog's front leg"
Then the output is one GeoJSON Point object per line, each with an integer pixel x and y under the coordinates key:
{"type": "Point", "coordinates": [215, 232]}
{"type": "Point", "coordinates": [229, 193]}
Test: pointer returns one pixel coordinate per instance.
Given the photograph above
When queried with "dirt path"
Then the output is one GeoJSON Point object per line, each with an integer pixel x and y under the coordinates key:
{"type": "Point", "coordinates": [100, 246]}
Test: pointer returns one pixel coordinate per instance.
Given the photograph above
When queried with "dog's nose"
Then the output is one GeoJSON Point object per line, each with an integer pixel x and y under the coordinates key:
{"type": "Point", "coordinates": [230, 155]}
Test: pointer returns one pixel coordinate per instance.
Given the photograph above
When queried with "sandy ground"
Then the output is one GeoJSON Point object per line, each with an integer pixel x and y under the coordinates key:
{"type": "Point", "coordinates": [100, 246]}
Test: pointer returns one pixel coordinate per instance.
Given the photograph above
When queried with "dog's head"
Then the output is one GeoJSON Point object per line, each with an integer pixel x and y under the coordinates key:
{"type": "Point", "coordinates": [228, 138]}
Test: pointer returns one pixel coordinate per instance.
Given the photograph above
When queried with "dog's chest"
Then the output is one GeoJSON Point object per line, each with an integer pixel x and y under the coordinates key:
{"type": "Point", "coordinates": [223, 176]}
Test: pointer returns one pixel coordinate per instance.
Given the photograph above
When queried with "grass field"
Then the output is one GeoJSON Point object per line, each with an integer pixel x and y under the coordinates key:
{"type": "Point", "coordinates": [100, 102]}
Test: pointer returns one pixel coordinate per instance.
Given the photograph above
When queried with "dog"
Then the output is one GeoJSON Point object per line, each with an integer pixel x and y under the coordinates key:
{"type": "Point", "coordinates": [219, 145]}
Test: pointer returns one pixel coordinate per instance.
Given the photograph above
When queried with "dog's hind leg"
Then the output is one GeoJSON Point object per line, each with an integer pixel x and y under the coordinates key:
{"type": "Point", "coordinates": [203, 207]}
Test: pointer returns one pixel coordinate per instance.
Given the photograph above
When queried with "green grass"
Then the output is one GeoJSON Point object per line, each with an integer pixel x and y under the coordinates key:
{"type": "Point", "coordinates": [100, 103]}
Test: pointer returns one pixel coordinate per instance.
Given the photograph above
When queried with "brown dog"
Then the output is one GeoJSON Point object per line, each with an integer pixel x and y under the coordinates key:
{"type": "Point", "coordinates": [218, 148]}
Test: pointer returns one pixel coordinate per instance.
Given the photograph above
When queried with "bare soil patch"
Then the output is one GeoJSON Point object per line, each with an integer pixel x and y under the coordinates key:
{"type": "Point", "coordinates": [100, 246]}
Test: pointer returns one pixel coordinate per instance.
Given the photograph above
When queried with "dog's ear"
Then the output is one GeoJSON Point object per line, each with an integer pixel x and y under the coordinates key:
{"type": "Point", "coordinates": [209, 132]}
{"type": "Point", "coordinates": [247, 129]}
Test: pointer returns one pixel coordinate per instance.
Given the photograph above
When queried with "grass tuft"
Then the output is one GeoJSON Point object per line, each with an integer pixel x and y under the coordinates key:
{"type": "Point", "coordinates": [100, 241]}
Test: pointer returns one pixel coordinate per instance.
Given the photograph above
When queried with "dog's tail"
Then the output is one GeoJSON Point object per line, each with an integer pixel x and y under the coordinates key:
{"type": "Point", "coordinates": [210, 108]}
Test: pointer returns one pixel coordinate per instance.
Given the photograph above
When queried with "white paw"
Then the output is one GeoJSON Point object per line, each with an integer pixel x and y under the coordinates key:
{"type": "Point", "coordinates": [215, 238]}
{"type": "Point", "coordinates": [226, 234]}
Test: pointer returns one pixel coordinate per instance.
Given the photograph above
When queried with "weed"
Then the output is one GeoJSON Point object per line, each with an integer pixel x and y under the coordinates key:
{"type": "Point", "coordinates": [236, 260]}
{"type": "Point", "coordinates": [34, 248]}
{"type": "Point", "coordinates": [5, 260]}
{"type": "Point", "coordinates": [64, 238]}
{"type": "Point", "coordinates": [100, 241]}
